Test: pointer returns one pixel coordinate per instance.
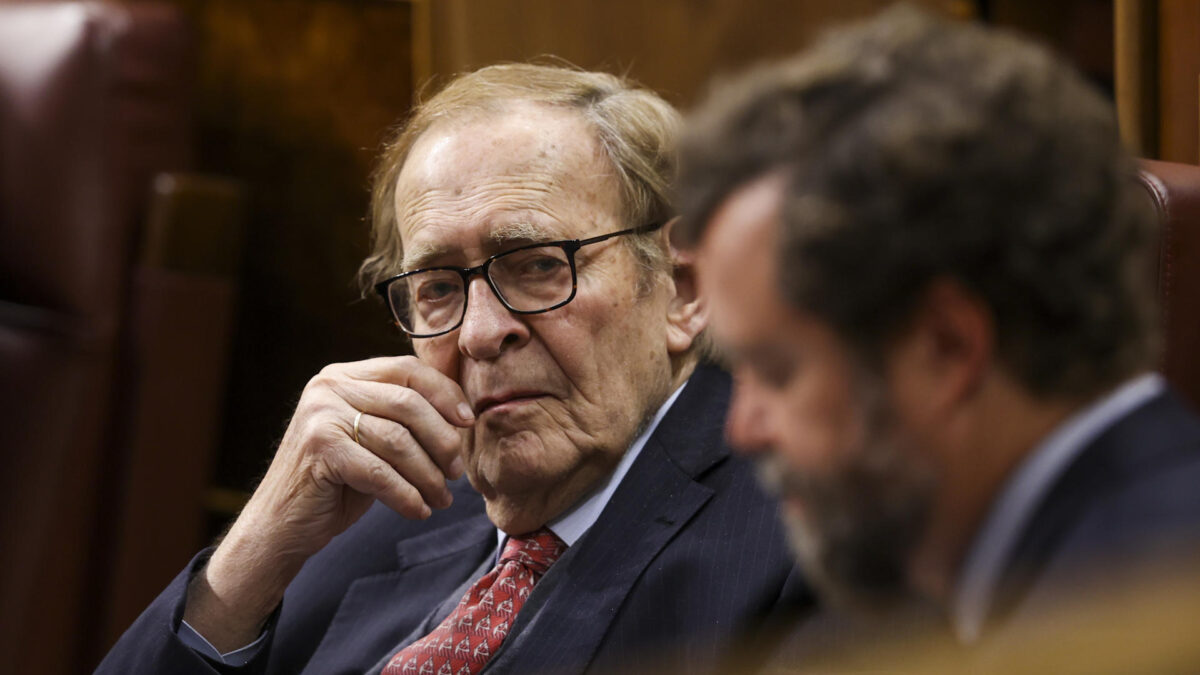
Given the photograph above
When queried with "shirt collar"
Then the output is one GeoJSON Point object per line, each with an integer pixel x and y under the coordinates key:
{"type": "Point", "coordinates": [1024, 490]}
{"type": "Point", "coordinates": [572, 524]}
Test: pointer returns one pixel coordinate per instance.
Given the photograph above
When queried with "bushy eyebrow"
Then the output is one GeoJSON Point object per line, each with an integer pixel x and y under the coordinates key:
{"type": "Point", "coordinates": [521, 233]}
{"type": "Point", "coordinates": [420, 255]}
{"type": "Point", "coordinates": [500, 238]}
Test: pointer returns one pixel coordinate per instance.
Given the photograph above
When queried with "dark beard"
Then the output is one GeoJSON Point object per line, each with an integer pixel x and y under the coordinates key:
{"type": "Point", "coordinates": [861, 522]}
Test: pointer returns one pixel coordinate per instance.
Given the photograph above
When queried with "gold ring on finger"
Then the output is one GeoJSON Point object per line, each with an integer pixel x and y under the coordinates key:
{"type": "Point", "coordinates": [357, 419]}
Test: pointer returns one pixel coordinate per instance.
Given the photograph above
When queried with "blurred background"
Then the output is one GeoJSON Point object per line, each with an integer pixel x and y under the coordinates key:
{"type": "Point", "coordinates": [183, 191]}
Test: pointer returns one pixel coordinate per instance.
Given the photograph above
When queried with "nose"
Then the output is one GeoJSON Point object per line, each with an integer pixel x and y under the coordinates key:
{"type": "Point", "coordinates": [747, 426]}
{"type": "Point", "coordinates": [488, 328]}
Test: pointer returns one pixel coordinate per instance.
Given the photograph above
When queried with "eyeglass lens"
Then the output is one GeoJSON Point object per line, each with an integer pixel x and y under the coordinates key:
{"type": "Point", "coordinates": [527, 280]}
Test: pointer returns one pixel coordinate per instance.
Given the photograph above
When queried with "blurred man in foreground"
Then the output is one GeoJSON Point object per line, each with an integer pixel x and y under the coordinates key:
{"type": "Point", "coordinates": [520, 239]}
{"type": "Point", "coordinates": [930, 261]}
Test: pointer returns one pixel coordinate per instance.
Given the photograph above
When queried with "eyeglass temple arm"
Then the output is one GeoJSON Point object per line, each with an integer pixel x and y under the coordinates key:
{"type": "Point", "coordinates": [640, 229]}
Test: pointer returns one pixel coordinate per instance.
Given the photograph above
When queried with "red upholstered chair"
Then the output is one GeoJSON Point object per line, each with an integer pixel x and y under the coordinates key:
{"type": "Point", "coordinates": [108, 396]}
{"type": "Point", "coordinates": [1175, 190]}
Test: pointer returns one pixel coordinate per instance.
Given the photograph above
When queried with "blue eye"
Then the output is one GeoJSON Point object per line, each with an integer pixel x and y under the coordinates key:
{"type": "Point", "coordinates": [534, 265]}
{"type": "Point", "coordinates": [541, 265]}
{"type": "Point", "coordinates": [437, 291]}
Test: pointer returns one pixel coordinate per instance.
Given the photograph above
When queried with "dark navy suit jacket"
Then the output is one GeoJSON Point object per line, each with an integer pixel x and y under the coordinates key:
{"type": "Point", "coordinates": [688, 556]}
{"type": "Point", "coordinates": [1130, 499]}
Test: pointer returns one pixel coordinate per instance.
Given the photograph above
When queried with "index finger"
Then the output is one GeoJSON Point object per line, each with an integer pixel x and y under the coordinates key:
{"type": "Point", "coordinates": [443, 393]}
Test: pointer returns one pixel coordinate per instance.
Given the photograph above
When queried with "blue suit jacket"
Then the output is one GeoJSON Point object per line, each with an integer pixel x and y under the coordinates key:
{"type": "Point", "coordinates": [687, 557]}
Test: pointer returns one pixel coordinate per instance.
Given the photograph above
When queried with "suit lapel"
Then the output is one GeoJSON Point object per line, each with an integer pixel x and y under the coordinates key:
{"type": "Point", "coordinates": [428, 568]}
{"type": "Point", "coordinates": [1148, 438]}
{"type": "Point", "coordinates": [445, 542]}
{"type": "Point", "coordinates": [572, 607]}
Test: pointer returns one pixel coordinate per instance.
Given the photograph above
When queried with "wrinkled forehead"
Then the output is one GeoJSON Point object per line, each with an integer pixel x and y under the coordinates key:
{"type": "Point", "coordinates": [530, 171]}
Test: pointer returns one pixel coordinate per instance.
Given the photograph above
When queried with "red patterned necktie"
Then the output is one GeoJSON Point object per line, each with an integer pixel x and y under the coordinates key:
{"type": "Point", "coordinates": [465, 640]}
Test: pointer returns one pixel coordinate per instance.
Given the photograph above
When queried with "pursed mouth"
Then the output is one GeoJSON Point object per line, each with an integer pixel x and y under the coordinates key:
{"type": "Point", "coordinates": [502, 400]}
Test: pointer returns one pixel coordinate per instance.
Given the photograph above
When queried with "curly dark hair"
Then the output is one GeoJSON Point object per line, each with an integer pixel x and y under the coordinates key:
{"type": "Point", "coordinates": [918, 148]}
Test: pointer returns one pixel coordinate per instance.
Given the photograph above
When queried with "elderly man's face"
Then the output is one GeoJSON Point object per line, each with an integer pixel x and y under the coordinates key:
{"type": "Point", "coordinates": [825, 432]}
{"type": "Point", "coordinates": [560, 395]}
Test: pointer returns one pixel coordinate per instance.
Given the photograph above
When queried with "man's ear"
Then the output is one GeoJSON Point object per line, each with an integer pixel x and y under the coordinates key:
{"type": "Point", "coordinates": [945, 351]}
{"type": "Point", "coordinates": [687, 313]}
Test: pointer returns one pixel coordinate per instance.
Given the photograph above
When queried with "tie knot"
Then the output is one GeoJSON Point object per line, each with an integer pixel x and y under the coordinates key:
{"type": "Point", "coordinates": [537, 550]}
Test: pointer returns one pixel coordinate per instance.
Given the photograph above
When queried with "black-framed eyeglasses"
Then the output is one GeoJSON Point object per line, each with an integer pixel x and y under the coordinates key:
{"type": "Point", "coordinates": [528, 280]}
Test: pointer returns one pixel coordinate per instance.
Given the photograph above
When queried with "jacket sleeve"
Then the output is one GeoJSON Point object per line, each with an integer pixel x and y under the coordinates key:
{"type": "Point", "coordinates": [152, 644]}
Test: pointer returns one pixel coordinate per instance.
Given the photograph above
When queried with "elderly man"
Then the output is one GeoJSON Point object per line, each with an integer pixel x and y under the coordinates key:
{"type": "Point", "coordinates": [929, 259]}
{"type": "Point", "coordinates": [520, 239]}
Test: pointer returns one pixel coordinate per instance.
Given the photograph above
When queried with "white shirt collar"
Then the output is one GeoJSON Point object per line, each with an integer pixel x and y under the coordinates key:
{"type": "Point", "coordinates": [1024, 490]}
{"type": "Point", "coordinates": [575, 521]}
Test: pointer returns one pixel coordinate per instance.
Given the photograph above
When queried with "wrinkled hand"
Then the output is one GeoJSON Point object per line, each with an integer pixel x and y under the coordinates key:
{"type": "Point", "coordinates": [409, 443]}
{"type": "Point", "coordinates": [322, 480]}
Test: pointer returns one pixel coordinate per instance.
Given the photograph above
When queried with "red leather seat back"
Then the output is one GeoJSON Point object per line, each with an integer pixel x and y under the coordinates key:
{"type": "Point", "coordinates": [1175, 189]}
{"type": "Point", "coordinates": [92, 105]}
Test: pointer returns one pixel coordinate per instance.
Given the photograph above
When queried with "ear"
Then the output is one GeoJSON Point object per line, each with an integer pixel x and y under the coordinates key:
{"type": "Point", "coordinates": [944, 353]}
{"type": "Point", "coordinates": [687, 313]}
